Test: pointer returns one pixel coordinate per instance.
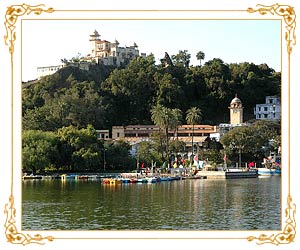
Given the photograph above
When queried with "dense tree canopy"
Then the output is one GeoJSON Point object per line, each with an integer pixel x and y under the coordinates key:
{"type": "Point", "coordinates": [105, 96]}
{"type": "Point", "coordinates": [39, 150]}
{"type": "Point", "coordinates": [253, 142]}
{"type": "Point", "coordinates": [73, 150]}
{"type": "Point", "coordinates": [72, 103]}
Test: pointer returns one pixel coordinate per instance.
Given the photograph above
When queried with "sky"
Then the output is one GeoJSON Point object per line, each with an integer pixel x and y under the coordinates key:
{"type": "Point", "coordinates": [46, 42]}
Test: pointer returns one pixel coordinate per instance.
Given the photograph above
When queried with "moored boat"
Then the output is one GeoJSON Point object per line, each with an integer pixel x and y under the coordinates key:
{"type": "Point", "coordinates": [31, 177]}
{"type": "Point", "coordinates": [133, 180]}
{"type": "Point", "coordinates": [164, 178]}
{"type": "Point", "coordinates": [141, 180]}
{"type": "Point", "coordinates": [268, 171]}
{"type": "Point", "coordinates": [152, 179]}
{"type": "Point", "coordinates": [125, 180]}
{"type": "Point", "coordinates": [238, 173]}
{"type": "Point", "coordinates": [109, 181]}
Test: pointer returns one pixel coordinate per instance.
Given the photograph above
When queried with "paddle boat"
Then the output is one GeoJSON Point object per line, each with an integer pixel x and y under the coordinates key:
{"type": "Point", "coordinates": [110, 181]}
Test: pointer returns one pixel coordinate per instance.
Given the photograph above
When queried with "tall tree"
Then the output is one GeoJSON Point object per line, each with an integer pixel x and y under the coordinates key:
{"type": "Point", "coordinates": [176, 120]}
{"type": "Point", "coordinates": [200, 56]}
{"type": "Point", "coordinates": [165, 118]}
{"type": "Point", "coordinates": [182, 58]}
{"type": "Point", "coordinates": [193, 116]}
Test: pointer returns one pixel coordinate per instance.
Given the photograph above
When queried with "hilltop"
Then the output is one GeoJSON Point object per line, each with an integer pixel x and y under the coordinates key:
{"type": "Point", "coordinates": [105, 95]}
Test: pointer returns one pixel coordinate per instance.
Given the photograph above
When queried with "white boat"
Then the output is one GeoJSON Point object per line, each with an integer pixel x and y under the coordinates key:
{"type": "Point", "coordinates": [268, 171]}
{"type": "Point", "coordinates": [152, 179]}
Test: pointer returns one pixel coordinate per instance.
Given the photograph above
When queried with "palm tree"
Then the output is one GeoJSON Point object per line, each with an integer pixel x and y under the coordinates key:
{"type": "Point", "coordinates": [166, 118]}
{"type": "Point", "coordinates": [176, 120]}
{"type": "Point", "coordinates": [159, 115]}
{"type": "Point", "coordinates": [200, 56]}
{"type": "Point", "coordinates": [193, 116]}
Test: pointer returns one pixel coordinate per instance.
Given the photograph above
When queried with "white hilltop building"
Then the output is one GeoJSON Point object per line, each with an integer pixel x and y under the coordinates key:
{"type": "Point", "coordinates": [102, 52]}
{"type": "Point", "coordinates": [109, 53]}
{"type": "Point", "coordinates": [48, 70]}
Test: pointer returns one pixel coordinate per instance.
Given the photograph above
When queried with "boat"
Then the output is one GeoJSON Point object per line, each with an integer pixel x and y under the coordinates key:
{"type": "Point", "coordinates": [82, 177]}
{"type": "Point", "coordinates": [32, 177]}
{"type": "Point", "coordinates": [175, 178]}
{"type": "Point", "coordinates": [141, 180]}
{"type": "Point", "coordinates": [152, 179]}
{"type": "Point", "coordinates": [241, 173]}
{"type": "Point", "coordinates": [125, 180]}
{"type": "Point", "coordinates": [164, 178]}
{"type": "Point", "coordinates": [109, 181]}
{"type": "Point", "coordinates": [268, 171]}
{"type": "Point", "coordinates": [133, 180]}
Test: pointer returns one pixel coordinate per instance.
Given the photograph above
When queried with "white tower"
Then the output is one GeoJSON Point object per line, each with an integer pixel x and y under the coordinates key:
{"type": "Point", "coordinates": [94, 38]}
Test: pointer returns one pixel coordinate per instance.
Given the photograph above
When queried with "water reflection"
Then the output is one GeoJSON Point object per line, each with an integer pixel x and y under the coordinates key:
{"type": "Point", "coordinates": [245, 204]}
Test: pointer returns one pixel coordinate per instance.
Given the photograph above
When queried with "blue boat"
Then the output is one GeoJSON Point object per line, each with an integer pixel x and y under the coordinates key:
{"type": "Point", "coordinates": [268, 171]}
{"type": "Point", "coordinates": [164, 178]}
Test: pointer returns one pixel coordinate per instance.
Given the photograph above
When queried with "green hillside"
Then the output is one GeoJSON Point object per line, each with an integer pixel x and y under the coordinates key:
{"type": "Point", "coordinates": [104, 96]}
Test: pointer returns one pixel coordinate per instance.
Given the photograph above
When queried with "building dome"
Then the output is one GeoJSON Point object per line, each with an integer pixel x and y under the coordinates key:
{"type": "Point", "coordinates": [236, 100]}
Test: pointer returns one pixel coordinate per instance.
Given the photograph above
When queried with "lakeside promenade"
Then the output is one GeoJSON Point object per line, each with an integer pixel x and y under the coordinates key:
{"type": "Point", "coordinates": [230, 174]}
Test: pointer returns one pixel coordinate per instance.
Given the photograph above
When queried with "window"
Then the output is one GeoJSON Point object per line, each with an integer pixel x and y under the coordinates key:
{"type": "Point", "coordinates": [118, 134]}
{"type": "Point", "coordinates": [265, 108]}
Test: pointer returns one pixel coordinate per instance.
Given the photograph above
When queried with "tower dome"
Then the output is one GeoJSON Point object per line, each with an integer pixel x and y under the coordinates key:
{"type": "Point", "coordinates": [236, 100]}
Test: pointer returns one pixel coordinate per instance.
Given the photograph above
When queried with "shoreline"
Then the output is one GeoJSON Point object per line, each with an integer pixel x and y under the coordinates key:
{"type": "Point", "coordinates": [200, 175]}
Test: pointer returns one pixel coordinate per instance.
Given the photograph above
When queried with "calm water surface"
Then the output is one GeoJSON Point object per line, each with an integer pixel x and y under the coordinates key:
{"type": "Point", "coordinates": [237, 204]}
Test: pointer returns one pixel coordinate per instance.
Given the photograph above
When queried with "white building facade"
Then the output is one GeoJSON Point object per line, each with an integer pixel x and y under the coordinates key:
{"type": "Point", "coordinates": [270, 110]}
{"type": "Point", "coordinates": [109, 53]}
{"type": "Point", "coordinates": [48, 70]}
{"type": "Point", "coordinates": [102, 51]}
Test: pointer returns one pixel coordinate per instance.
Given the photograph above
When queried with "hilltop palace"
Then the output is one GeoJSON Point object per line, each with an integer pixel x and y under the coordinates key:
{"type": "Point", "coordinates": [102, 52]}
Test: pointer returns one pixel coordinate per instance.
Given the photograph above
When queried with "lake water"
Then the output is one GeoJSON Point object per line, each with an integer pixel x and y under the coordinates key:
{"type": "Point", "coordinates": [234, 204]}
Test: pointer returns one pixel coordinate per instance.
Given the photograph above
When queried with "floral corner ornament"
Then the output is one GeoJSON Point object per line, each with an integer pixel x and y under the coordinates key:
{"type": "Point", "coordinates": [289, 16]}
{"type": "Point", "coordinates": [11, 17]}
{"type": "Point", "coordinates": [289, 231]}
{"type": "Point", "coordinates": [11, 231]}
{"type": "Point", "coordinates": [13, 13]}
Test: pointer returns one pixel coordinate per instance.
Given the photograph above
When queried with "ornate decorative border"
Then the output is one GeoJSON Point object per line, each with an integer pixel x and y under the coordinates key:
{"type": "Point", "coordinates": [12, 14]}
{"type": "Point", "coordinates": [287, 12]}
{"type": "Point", "coordinates": [289, 231]}
{"type": "Point", "coordinates": [11, 231]}
{"type": "Point", "coordinates": [289, 17]}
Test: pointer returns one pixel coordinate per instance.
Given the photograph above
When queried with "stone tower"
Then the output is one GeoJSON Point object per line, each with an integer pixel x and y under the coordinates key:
{"type": "Point", "coordinates": [236, 111]}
